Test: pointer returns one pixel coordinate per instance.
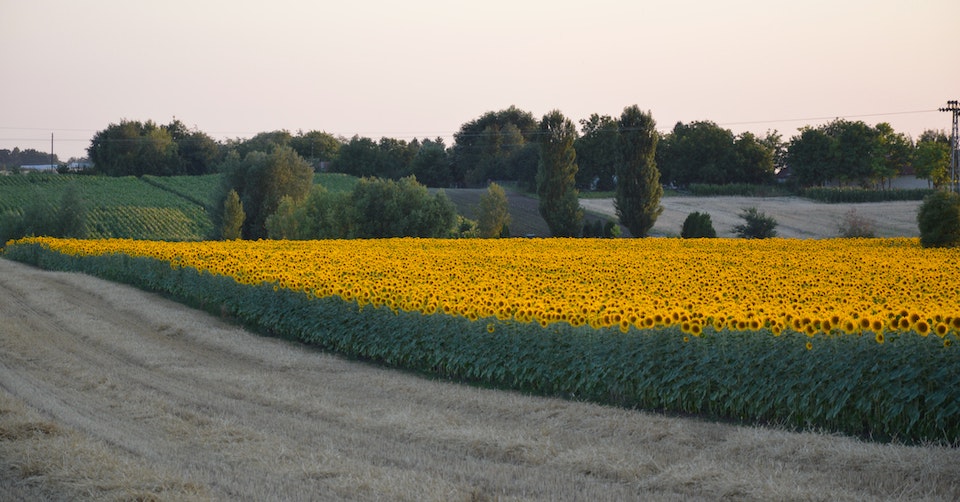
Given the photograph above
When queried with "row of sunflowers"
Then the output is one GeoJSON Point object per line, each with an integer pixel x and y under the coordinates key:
{"type": "Point", "coordinates": [819, 287]}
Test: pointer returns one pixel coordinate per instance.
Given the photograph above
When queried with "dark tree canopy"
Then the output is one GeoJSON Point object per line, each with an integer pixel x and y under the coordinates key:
{"type": "Point", "coordinates": [17, 157]}
{"type": "Point", "coordinates": [316, 147]}
{"type": "Point", "coordinates": [262, 180]}
{"type": "Point", "coordinates": [703, 152]}
{"type": "Point", "coordinates": [849, 153]}
{"type": "Point", "coordinates": [598, 153]}
{"type": "Point", "coordinates": [556, 176]}
{"type": "Point", "coordinates": [492, 147]}
{"type": "Point", "coordinates": [639, 190]}
{"type": "Point", "coordinates": [133, 148]}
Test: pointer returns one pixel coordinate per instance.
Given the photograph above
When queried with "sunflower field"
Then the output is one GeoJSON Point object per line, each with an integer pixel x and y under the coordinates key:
{"type": "Point", "coordinates": [858, 336]}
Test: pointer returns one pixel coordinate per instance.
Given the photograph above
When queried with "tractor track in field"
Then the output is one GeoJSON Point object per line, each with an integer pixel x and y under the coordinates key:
{"type": "Point", "coordinates": [111, 393]}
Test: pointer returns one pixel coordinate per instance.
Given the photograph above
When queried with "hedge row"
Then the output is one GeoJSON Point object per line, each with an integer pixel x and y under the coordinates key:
{"type": "Point", "coordinates": [848, 195]}
{"type": "Point", "coordinates": [907, 389]}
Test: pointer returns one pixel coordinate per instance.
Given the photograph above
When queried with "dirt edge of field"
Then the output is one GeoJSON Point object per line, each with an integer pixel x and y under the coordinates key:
{"type": "Point", "coordinates": [111, 393]}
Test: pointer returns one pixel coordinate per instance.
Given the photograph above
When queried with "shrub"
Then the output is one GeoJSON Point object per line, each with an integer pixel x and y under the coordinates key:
{"type": "Point", "coordinates": [939, 220]}
{"type": "Point", "coordinates": [854, 225]}
{"type": "Point", "coordinates": [697, 225]}
{"type": "Point", "coordinates": [757, 225]}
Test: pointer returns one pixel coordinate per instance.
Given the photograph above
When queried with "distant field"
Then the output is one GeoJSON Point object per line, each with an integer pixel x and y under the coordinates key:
{"type": "Point", "coordinates": [127, 207]}
{"type": "Point", "coordinates": [178, 207]}
{"type": "Point", "coordinates": [796, 217]}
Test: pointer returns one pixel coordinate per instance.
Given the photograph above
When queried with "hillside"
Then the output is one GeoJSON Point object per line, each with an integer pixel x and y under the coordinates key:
{"type": "Point", "coordinates": [126, 207]}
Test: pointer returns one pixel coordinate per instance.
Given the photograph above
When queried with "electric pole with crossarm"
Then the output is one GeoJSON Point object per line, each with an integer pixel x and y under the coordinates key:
{"type": "Point", "coordinates": [954, 107]}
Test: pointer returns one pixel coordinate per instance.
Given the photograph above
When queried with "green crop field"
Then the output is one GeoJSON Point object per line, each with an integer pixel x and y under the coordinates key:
{"type": "Point", "coordinates": [175, 208]}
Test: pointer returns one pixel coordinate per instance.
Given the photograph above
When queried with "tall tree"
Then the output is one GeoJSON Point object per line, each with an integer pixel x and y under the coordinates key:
{"type": "Point", "coordinates": [754, 160]}
{"type": "Point", "coordinates": [638, 191]}
{"type": "Point", "coordinates": [931, 158]}
{"type": "Point", "coordinates": [699, 152]}
{"type": "Point", "coordinates": [431, 164]}
{"type": "Point", "coordinates": [810, 157]}
{"type": "Point", "coordinates": [856, 153]}
{"type": "Point", "coordinates": [233, 217]}
{"type": "Point", "coordinates": [895, 151]}
{"type": "Point", "coordinates": [556, 176]}
{"type": "Point", "coordinates": [494, 212]}
{"type": "Point", "coordinates": [198, 152]}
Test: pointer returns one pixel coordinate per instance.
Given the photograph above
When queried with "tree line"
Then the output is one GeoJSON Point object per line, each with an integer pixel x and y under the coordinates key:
{"type": "Point", "coordinates": [504, 146]}
{"type": "Point", "coordinates": [268, 178]}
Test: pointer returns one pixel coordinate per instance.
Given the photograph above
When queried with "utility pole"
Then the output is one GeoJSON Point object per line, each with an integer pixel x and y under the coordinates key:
{"type": "Point", "coordinates": [954, 107]}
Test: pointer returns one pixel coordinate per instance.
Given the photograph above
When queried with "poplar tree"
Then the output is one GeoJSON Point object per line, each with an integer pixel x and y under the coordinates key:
{"type": "Point", "coordinates": [494, 212]}
{"type": "Point", "coordinates": [638, 180]}
{"type": "Point", "coordinates": [233, 217]}
{"type": "Point", "coordinates": [556, 176]}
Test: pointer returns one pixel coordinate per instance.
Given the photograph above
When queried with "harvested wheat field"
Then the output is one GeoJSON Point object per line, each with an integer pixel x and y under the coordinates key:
{"type": "Point", "coordinates": [796, 217]}
{"type": "Point", "coordinates": [111, 393]}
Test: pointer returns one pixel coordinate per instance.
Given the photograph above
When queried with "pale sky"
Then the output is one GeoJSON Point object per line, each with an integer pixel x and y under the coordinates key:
{"type": "Point", "coordinates": [421, 68]}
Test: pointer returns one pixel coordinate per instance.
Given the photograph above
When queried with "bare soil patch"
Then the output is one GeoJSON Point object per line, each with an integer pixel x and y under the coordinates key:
{"type": "Point", "coordinates": [111, 393]}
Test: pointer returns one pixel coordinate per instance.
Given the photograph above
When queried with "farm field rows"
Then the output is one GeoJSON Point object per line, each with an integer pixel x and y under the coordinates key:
{"type": "Point", "coordinates": [116, 207]}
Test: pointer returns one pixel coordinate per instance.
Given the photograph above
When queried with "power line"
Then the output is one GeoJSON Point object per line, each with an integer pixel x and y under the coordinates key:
{"type": "Point", "coordinates": [425, 134]}
{"type": "Point", "coordinates": [914, 112]}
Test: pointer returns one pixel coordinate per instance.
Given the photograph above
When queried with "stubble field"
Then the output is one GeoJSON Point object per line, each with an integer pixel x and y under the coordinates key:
{"type": "Point", "coordinates": [111, 393]}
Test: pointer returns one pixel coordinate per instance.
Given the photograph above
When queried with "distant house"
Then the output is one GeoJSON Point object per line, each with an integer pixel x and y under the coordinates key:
{"type": "Point", "coordinates": [39, 167]}
{"type": "Point", "coordinates": [79, 165]}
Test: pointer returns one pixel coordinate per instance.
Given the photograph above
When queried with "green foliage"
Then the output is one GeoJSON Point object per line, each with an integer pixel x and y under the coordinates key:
{"type": "Point", "coordinates": [939, 220]}
{"type": "Point", "coordinates": [601, 229]}
{"type": "Point", "coordinates": [907, 389]}
{"type": "Point", "coordinates": [598, 153]}
{"type": "Point", "coordinates": [316, 147]}
{"type": "Point", "coordinates": [262, 180]}
{"type": "Point", "coordinates": [386, 208]}
{"type": "Point", "coordinates": [849, 152]}
{"type": "Point", "coordinates": [13, 159]}
{"type": "Point", "coordinates": [134, 148]}
{"type": "Point", "coordinates": [853, 194]}
{"type": "Point", "coordinates": [757, 225]}
{"type": "Point", "coordinates": [496, 146]}
{"type": "Point", "coordinates": [637, 199]}
{"type": "Point", "coordinates": [431, 164]}
{"type": "Point", "coordinates": [698, 225]}
{"type": "Point", "coordinates": [374, 208]}
{"type": "Point", "coordinates": [737, 189]}
{"type": "Point", "coordinates": [394, 159]}
{"type": "Point", "coordinates": [494, 212]}
{"type": "Point", "coordinates": [66, 217]}
{"type": "Point", "coordinates": [703, 152]}
{"type": "Point", "coordinates": [556, 176]}
{"type": "Point", "coordinates": [931, 161]}
{"type": "Point", "coordinates": [233, 217]}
